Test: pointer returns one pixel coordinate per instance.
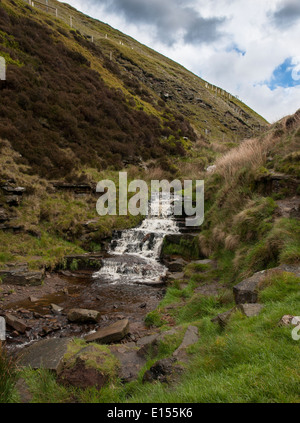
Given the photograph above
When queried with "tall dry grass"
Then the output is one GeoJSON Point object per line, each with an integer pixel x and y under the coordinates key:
{"type": "Point", "coordinates": [253, 152]}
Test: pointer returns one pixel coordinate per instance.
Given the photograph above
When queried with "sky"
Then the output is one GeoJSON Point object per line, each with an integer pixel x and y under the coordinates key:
{"type": "Point", "coordinates": [249, 48]}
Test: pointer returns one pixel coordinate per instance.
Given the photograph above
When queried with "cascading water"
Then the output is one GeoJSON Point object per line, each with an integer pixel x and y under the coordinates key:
{"type": "Point", "coordinates": [134, 253]}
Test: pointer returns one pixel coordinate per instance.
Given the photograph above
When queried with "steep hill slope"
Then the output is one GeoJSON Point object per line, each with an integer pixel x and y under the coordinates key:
{"type": "Point", "coordinates": [91, 96]}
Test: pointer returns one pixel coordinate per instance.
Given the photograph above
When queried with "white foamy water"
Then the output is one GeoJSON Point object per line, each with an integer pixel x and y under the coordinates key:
{"type": "Point", "coordinates": [135, 253]}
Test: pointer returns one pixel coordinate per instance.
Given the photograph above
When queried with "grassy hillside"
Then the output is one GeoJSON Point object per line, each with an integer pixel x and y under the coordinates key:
{"type": "Point", "coordinates": [69, 102]}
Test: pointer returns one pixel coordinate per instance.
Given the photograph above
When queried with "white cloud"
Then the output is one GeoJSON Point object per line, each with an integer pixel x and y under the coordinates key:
{"type": "Point", "coordinates": [255, 39]}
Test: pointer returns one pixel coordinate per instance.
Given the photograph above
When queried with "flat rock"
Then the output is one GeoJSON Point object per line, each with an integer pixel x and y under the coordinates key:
{"type": "Point", "coordinates": [80, 315]}
{"type": "Point", "coordinates": [130, 362]}
{"type": "Point", "coordinates": [250, 310]}
{"type": "Point", "coordinates": [204, 262]}
{"type": "Point", "coordinates": [46, 354]}
{"type": "Point", "coordinates": [20, 276]}
{"type": "Point", "coordinates": [113, 333]}
{"type": "Point", "coordinates": [15, 323]}
{"type": "Point", "coordinates": [175, 276]}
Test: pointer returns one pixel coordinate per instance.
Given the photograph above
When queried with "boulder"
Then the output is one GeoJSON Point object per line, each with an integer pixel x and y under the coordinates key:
{"type": "Point", "coordinates": [80, 315]}
{"type": "Point", "coordinates": [130, 362]}
{"type": "Point", "coordinates": [250, 310]}
{"type": "Point", "coordinates": [88, 366]}
{"type": "Point", "coordinates": [247, 290]}
{"type": "Point", "coordinates": [46, 354]}
{"type": "Point", "coordinates": [15, 323]}
{"type": "Point", "coordinates": [113, 333]}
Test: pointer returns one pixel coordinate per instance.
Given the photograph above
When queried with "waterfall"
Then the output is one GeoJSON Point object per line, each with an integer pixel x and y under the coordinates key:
{"type": "Point", "coordinates": [134, 253]}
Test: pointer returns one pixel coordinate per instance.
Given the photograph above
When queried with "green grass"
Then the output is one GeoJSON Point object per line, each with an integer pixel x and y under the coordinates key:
{"type": "Point", "coordinates": [253, 360]}
{"type": "Point", "coordinates": [8, 377]}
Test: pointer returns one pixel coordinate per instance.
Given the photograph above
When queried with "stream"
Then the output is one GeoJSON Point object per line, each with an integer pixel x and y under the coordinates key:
{"type": "Point", "coordinates": [128, 285]}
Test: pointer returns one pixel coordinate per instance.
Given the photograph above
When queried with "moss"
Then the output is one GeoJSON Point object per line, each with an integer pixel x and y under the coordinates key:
{"type": "Point", "coordinates": [186, 248]}
{"type": "Point", "coordinates": [94, 355]}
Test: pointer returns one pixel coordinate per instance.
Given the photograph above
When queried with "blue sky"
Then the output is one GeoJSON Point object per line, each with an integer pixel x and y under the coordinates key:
{"type": "Point", "coordinates": [284, 75]}
{"type": "Point", "coordinates": [249, 48]}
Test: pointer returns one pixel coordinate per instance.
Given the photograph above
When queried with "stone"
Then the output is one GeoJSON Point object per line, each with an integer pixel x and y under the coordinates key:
{"type": "Point", "coordinates": [148, 345]}
{"type": "Point", "coordinates": [130, 362]}
{"type": "Point", "coordinates": [247, 290]}
{"type": "Point", "coordinates": [250, 310]}
{"type": "Point", "coordinates": [46, 354]}
{"type": "Point", "coordinates": [113, 333]}
{"type": "Point", "coordinates": [3, 216]}
{"type": "Point", "coordinates": [80, 315]}
{"type": "Point", "coordinates": [33, 299]}
{"type": "Point", "coordinates": [204, 262]}
{"type": "Point", "coordinates": [160, 371]}
{"type": "Point", "coordinates": [190, 338]}
{"type": "Point", "coordinates": [88, 366]}
{"type": "Point", "coordinates": [9, 190]}
{"type": "Point", "coordinates": [223, 318]}
{"type": "Point", "coordinates": [15, 323]}
{"type": "Point", "coordinates": [21, 276]}
{"type": "Point", "coordinates": [84, 261]}
{"type": "Point", "coordinates": [56, 308]}
{"type": "Point", "coordinates": [177, 266]}
{"type": "Point", "coordinates": [211, 169]}
{"type": "Point", "coordinates": [175, 276]}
